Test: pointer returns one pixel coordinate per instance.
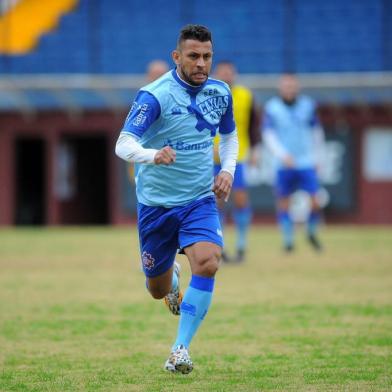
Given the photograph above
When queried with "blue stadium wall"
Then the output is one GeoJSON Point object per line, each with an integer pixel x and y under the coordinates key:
{"type": "Point", "coordinates": [117, 36]}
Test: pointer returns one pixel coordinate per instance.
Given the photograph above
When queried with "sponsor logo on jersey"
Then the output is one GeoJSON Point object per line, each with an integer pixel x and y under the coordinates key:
{"type": "Point", "coordinates": [141, 117]}
{"type": "Point", "coordinates": [176, 110]}
{"type": "Point", "coordinates": [180, 145]}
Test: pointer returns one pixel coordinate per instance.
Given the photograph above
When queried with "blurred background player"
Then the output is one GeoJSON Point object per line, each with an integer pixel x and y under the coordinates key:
{"type": "Point", "coordinates": [293, 134]}
{"type": "Point", "coordinates": [155, 69]}
{"type": "Point", "coordinates": [247, 119]}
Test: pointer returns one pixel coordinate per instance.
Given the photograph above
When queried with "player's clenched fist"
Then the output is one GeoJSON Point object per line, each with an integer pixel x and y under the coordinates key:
{"type": "Point", "coordinates": [222, 185]}
{"type": "Point", "coordinates": [165, 156]}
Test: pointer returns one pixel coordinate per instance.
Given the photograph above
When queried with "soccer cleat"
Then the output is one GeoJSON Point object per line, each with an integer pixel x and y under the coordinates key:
{"type": "Point", "coordinates": [174, 298]}
{"type": "Point", "coordinates": [179, 361]}
{"type": "Point", "coordinates": [315, 243]}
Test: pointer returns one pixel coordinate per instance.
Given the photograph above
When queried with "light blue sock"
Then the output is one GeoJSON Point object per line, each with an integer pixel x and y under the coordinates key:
{"type": "Point", "coordinates": [194, 307]}
{"type": "Point", "coordinates": [242, 219]}
{"type": "Point", "coordinates": [286, 227]}
{"type": "Point", "coordinates": [313, 222]}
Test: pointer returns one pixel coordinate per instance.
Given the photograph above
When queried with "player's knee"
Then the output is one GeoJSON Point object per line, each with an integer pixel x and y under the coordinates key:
{"type": "Point", "coordinates": [158, 290]}
{"type": "Point", "coordinates": [210, 265]}
{"type": "Point", "coordinates": [212, 268]}
{"type": "Point", "coordinates": [158, 293]}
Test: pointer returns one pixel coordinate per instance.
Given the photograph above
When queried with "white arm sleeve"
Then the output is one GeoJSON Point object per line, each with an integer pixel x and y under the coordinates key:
{"type": "Point", "coordinates": [274, 144]}
{"type": "Point", "coordinates": [228, 151]}
{"type": "Point", "coordinates": [129, 149]}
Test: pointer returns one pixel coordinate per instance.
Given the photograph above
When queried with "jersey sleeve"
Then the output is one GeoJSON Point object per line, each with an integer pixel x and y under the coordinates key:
{"type": "Point", "coordinates": [227, 124]}
{"type": "Point", "coordinates": [144, 111]}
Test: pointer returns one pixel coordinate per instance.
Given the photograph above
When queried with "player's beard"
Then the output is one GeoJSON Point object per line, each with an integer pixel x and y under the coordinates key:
{"type": "Point", "coordinates": [187, 77]}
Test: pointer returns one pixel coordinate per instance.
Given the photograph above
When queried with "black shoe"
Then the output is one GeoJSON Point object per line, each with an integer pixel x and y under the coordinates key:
{"type": "Point", "coordinates": [315, 243]}
{"type": "Point", "coordinates": [225, 258]}
{"type": "Point", "coordinates": [240, 257]}
{"type": "Point", "coordinates": [289, 248]}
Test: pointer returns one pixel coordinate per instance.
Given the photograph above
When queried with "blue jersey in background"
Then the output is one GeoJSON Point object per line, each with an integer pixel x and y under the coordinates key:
{"type": "Point", "coordinates": [293, 126]}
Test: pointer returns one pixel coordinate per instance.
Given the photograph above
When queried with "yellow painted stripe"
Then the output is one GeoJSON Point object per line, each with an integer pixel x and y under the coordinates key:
{"type": "Point", "coordinates": [22, 26]}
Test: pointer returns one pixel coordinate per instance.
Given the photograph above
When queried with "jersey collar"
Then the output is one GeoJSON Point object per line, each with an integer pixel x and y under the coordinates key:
{"type": "Point", "coordinates": [187, 86]}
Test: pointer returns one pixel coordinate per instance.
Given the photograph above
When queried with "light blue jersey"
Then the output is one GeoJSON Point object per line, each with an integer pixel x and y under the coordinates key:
{"type": "Point", "coordinates": [293, 126]}
{"type": "Point", "coordinates": [170, 112]}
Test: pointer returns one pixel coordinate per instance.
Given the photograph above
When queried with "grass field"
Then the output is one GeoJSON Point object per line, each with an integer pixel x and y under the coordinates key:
{"type": "Point", "coordinates": [75, 316]}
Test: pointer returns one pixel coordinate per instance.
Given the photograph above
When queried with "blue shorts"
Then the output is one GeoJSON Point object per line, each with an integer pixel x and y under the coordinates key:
{"type": "Point", "coordinates": [239, 176]}
{"type": "Point", "coordinates": [290, 180]}
{"type": "Point", "coordinates": [162, 231]}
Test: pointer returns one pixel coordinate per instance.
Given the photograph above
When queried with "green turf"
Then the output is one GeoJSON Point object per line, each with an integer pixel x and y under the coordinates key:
{"type": "Point", "coordinates": [75, 316]}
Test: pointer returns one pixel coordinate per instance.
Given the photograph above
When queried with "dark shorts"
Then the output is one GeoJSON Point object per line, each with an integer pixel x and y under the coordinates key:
{"type": "Point", "coordinates": [290, 180]}
{"type": "Point", "coordinates": [162, 231]}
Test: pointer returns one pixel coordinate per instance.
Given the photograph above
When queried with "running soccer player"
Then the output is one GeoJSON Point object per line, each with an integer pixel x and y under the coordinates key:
{"type": "Point", "coordinates": [169, 134]}
{"type": "Point", "coordinates": [294, 135]}
{"type": "Point", "coordinates": [247, 119]}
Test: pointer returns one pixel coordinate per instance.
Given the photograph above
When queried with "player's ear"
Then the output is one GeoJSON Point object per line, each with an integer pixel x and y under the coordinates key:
{"type": "Point", "coordinates": [176, 56]}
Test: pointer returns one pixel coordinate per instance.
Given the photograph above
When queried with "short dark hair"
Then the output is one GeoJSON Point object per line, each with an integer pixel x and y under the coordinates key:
{"type": "Point", "coordinates": [196, 32]}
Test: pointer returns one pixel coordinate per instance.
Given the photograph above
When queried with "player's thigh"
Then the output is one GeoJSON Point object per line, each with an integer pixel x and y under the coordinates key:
{"type": "Point", "coordinates": [158, 237]}
{"type": "Point", "coordinates": [200, 235]}
{"type": "Point", "coordinates": [308, 181]}
{"type": "Point", "coordinates": [285, 183]}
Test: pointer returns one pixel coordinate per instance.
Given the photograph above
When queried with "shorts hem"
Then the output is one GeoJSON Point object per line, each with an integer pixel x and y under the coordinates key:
{"type": "Point", "coordinates": [194, 241]}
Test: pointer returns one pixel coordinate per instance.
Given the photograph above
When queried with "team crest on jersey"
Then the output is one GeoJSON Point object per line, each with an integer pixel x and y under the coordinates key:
{"type": "Point", "coordinates": [216, 105]}
{"type": "Point", "coordinates": [209, 112]}
{"type": "Point", "coordinates": [148, 261]}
